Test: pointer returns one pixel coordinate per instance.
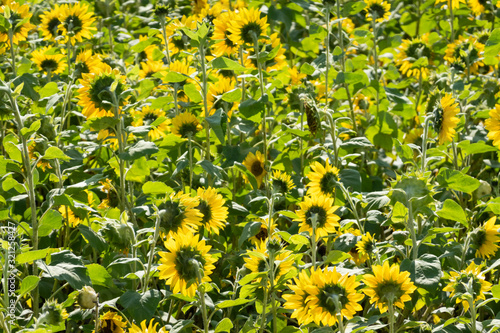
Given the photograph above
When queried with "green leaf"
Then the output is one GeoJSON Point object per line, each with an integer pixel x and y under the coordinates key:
{"type": "Point", "coordinates": [249, 230]}
{"type": "Point", "coordinates": [95, 240]}
{"type": "Point", "coordinates": [141, 46]}
{"type": "Point", "coordinates": [48, 90]}
{"type": "Point", "coordinates": [65, 266]}
{"type": "Point", "coordinates": [139, 170]}
{"type": "Point", "coordinates": [140, 306]}
{"type": "Point", "coordinates": [227, 64]}
{"type": "Point", "coordinates": [231, 303]}
{"type": "Point", "coordinates": [30, 256]}
{"type": "Point", "coordinates": [155, 188]}
{"type": "Point", "coordinates": [99, 275]}
{"type": "Point", "coordinates": [29, 283]}
{"type": "Point", "coordinates": [51, 220]}
{"type": "Point", "coordinates": [98, 124]}
{"type": "Point", "coordinates": [29, 82]}
{"type": "Point", "coordinates": [335, 257]}
{"type": "Point", "coordinates": [492, 46]}
{"type": "Point", "coordinates": [350, 78]}
{"type": "Point", "coordinates": [193, 93]}
{"type": "Point", "coordinates": [224, 325]}
{"type": "Point", "coordinates": [352, 8]}
{"type": "Point", "coordinates": [475, 148]}
{"type": "Point", "coordinates": [232, 96]}
{"type": "Point", "coordinates": [10, 183]}
{"type": "Point", "coordinates": [138, 150]}
{"type": "Point", "coordinates": [215, 122]}
{"type": "Point", "coordinates": [495, 290]}
{"type": "Point", "coordinates": [211, 168]}
{"type": "Point", "coordinates": [55, 153]}
{"type": "Point", "coordinates": [251, 109]}
{"type": "Point", "coordinates": [351, 179]}
{"type": "Point", "coordinates": [27, 132]}
{"type": "Point", "coordinates": [457, 181]}
{"type": "Point", "coordinates": [307, 69]}
{"type": "Point", "coordinates": [175, 77]}
{"type": "Point", "coordinates": [425, 271]}
{"type": "Point", "coordinates": [394, 95]}
{"type": "Point", "coordinates": [453, 211]}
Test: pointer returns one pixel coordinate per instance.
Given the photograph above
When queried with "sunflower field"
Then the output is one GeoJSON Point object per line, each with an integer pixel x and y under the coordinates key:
{"type": "Point", "coordinates": [250, 166]}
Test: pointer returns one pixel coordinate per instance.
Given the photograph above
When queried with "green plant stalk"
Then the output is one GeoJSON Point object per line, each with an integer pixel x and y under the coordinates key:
{"type": "Point", "coordinates": [418, 18]}
{"type": "Point", "coordinates": [333, 133]}
{"type": "Point", "coordinates": [451, 21]}
{"type": "Point", "coordinates": [202, 299]}
{"type": "Point", "coordinates": [314, 221]}
{"type": "Point", "coordinates": [327, 17]}
{"type": "Point", "coordinates": [464, 250]}
{"type": "Point", "coordinates": [176, 106]}
{"type": "Point", "coordinates": [243, 85]}
{"type": "Point", "coordinates": [271, 288]}
{"type": "Point", "coordinates": [151, 253]}
{"type": "Point", "coordinates": [391, 316]}
{"type": "Point", "coordinates": [455, 157]}
{"type": "Point", "coordinates": [424, 142]}
{"type": "Point", "coordinates": [121, 149]}
{"type": "Point", "coordinates": [411, 226]}
{"type": "Point", "coordinates": [417, 103]}
{"type": "Point", "coordinates": [110, 34]}
{"type": "Point", "coordinates": [12, 54]}
{"type": "Point", "coordinates": [472, 308]}
{"type": "Point", "coordinates": [205, 93]}
{"type": "Point", "coordinates": [493, 16]}
{"type": "Point", "coordinates": [375, 59]}
{"type": "Point", "coordinates": [97, 314]}
{"type": "Point", "coordinates": [164, 33]}
{"type": "Point", "coordinates": [190, 151]}
{"type": "Point", "coordinates": [353, 207]}
{"type": "Point", "coordinates": [301, 140]}
{"type": "Point", "coordinates": [65, 104]}
{"type": "Point", "coordinates": [264, 305]}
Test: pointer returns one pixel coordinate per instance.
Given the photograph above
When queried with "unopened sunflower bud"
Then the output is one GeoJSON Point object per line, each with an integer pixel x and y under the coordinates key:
{"type": "Point", "coordinates": [87, 298]}
{"type": "Point", "coordinates": [483, 189]}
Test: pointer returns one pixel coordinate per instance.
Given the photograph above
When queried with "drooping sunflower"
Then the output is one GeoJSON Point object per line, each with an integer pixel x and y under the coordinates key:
{"type": "Point", "coordinates": [455, 4]}
{"type": "Point", "coordinates": [412, 50]}
{"type": "Point", "coordinates": [150, 117]}
{"type": "Point", "coordinates": [18, 14]}
{"type": "Point", "coordinates": [212, 207]}
{"type": "Point", "coordinates": [185, 124]}
{"type": "Point", "coordinates": [378, 9]}
{"type": "Point", "coordinates": [178, 214]}
{"type": "Point", "coordinates": [255, 262]}
{"type": "Point", "coordinates": [49, 61]}
{"type": "Point", "coordinates": [144, 328]}
{"type": "Point", "coordinates": [255, 164]}
{"type": "Point", "coordinates": [186, 262]}
{"type": "Point", "coordinates": [459, 282]}
{"type": "Point", "coordinates": [445, 118]}
{"type": "Point", "coordinates": [465, 53]}
{"type": "Point", "coordinates": [111, 322]}
{"type": "Point", "coordinates": [388, 284]}
{"type": "Point", "coordinates": [365, 247]}
{"type": "Point", "coordinates": [215, 92]}
{"type": "Point", "coordinates": [76, 22]}
{"type": "Point", "coordinates": [299, 300]}
{"type": "Point", "coordinates": [492, 124]}
{"type": "Point", "coordinates": [321, 208]}
{"type": "Point", "coordinates": [86, 63]}
{"type": "Point", "coordinates": [224, 46]}
{"type": "Point", "coordinates": [95, 93]}
{"type": "Point", "coordinates": [477, 6]}
{"type": "Point", "coordinates": [282, 182]}
{"type": "Point", "coordinates": [322, 179]}
{"type": "Point", "coordinates": [50, 21]}
{"type": "Point", "coordinates": [52, 313]}
{"type": "Point", "coordinates": [485, 239]}
{"type": "Point", "coordinates": [329, 286]}
{"type": "Point", "coordinates": [150, 68]}
{"type": "Point", "coordinates": [247, 25]}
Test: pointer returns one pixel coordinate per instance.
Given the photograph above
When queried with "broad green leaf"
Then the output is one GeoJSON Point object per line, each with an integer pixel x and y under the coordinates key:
{"type": "Point", "coordinates": [138, 150]}
{"type": "Point", "coordinates": [98, 124]}
{"type": "Point", "coordinates": [155, 188]}
{"type": "Point", "coordinates": [394, 95]}
{"type": "Point", "coordinates": [492, 46]}
{"type": "Point", "coordinates": [65, 266]}
{"type": "Point", "coordinates": [99, 275]}
{"type": "Point", "coordinates": [350, 78]}
{"type": "Point", "coordinates": [249, 230]}
{"type": "Point", "coordinates": [224, 325]}
{"type": "Point", "coordinates": [231, 303]}
{"type": "Point", "coordinates": [457, 181]}
{"type": "Point", "coordinates": [193, 93]}
{"type": "Point", "coordinates": [425, 272]}
{"type": "Point", "coordinates": [210, 168]}
{"type": "Point", "coordinates": [453, 211]}
{"type": "Point", "coordinates": [227, 64]}
{"type": "Point", "coordinates": [351, 179]}
{"type": "Point", "coordinates": [54, 152]}
{"type": "Point", "coordinates": [336, 256]}
{"type": "Point", "coordinates": [307, 69]}
{"type": "Point", "coordinates": [352, 8]}
{"type": "Point", "coordinates": [232, 95]}
{"type": "Point", "coordinates": [175, 77]}
{"type": "Point", "coordinates": [141, 306]}
{"type": "Point", "coordinates": [215, 121]}
{"type": "Point", "coordinates": [30, 256]}
{"type": "Point", "coordinates": [49, 89]}
{"type": "Point", "coordinates": [50, 220]}
{"type": "Point", "coordinates": [29, 283]}
{"type": "Point", "coordinates": [475, 148]}
{"type": "Point", "coordinates": [95, 240]}
{"type": "Point", "coordinates": [139, 170]}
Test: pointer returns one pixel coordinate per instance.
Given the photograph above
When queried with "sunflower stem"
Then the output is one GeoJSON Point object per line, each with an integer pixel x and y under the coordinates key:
{"type": "Point", "coordinates": [301, 142]}
{"type": "Point", "coordinates": [314, 221]}
{"type": "Point", "coordinates": [450, 7]}
{"type": "Point", "coordinates": [264, 305]}
{"type": "Point", "coordinates": [455, 157]}
{"type": "Point", "coordinates": [417, 103]}
{"type": "Point", "coordinates": [121, 149]}
{"type": "Point", "coordinates": [353, 207]}
{"type": "Point", "coordinates": [411, 226]}
{"type": "Point", "coordinates": [333, 132]}
{"type": "Point", "coordinates": [201, 290]}
{"type": "Point", "coordinates": [472, 308]}
{"type": "Point", "coordinates": [375, 59]}
{"type": "Point", "coordinates": [327, 17]}
{"type": "Point", "coordinates": [190, 151]}
{"type": "Point", "coordinates": [12, 53]}
{"type": "Point", "coordinates": [164, 33]}
{"type": "Point", "coordinates": [424, 142]}
{"type": "Point", "coordinates": [205, 93]}
{"type": "Point", "coordinates": [176, 106]}
{"type": "Point", "coordinates": [96, 310]}
{"type": "Point", "coordinates": [243, 85]}
{"type": "Point", "coordinates": [418, 18]}
{"type": "Point", "coordinates": [152, 252]}
{"type": "Point", "coordinates": [391, 316]}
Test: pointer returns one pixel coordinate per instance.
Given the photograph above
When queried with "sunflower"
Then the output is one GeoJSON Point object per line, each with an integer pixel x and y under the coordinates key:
{"type": "Point", "coordinates": [76, 22]}
{"type": "Point", "coordinates": [388, 285]}
{"type": "Point", "coordinates": [299, 301]}
{"type": "Point", "coordinates": [18, 15]}
{"type": "Point", "coordinates": [150, 68]}
{"type": "Point", "coordinates": [295, 76]}
{"type": "Point", "coordinates": [409, 52]}
{"type": "Point", "coordinates": [178, 214]}
{"type": "Point", "coordinates": [95, 93]}
{"type": "Point", "coordinates": [186, 262]}
{"type": "Point", "coordinates": [365, 247]}
{"type": "Point", "coordinates": [68, 214]}
{"type": "Point", "coordinates": [108, 136]}
{"type": "Point", "coordinates": [151, 328]}
{"type": "Point", "coordinates": [50, 21]}
{"type": "Point", "coordinates": [485, 239]}
{"type": "Point", "coordinates": [148, 53]}
{"type": "Point", "coordinates": [224, 46]}
{"type": "Point", "coordinates": [465, 53]}
{"type": "Point", "coordinates": [277, 63]}
{"type": "Point", "coordinates": [111, 322]}
{"type": "Point", "coordinates": [330, 293]}
{"type": "Point", "coordinates": [154, 118]}
{"type": "Point", "coordinates": [52, 313]}
{"type": "Point", "coordinates": [282, 182]}
{"type": "Point", "coordinates": [492, 124]}
{"type": "Point", "coordinates": [263, 232]}
{"type": "Point", "coordinates": [321, 208]}
{"type": "Point", "coordinates": [257, 261]}
{"type": "Point", "coordinates": [445, 119]}
{"type": "Point", "coordinates": [247, 25]}
{"type": "Point", "coordinates": [198, 5]}
{"type": "Point", "coordinates": [215, 92]}
{"type": "Point", "coordinates": [87, 63]}
{"type": "Point", "coordinates": [185, 124]}
{"type": "Point", "coordinates": [178, 41]}
{"type": "Point", "coordinates": [255, 164]}
{"type": "Point", "coordinates": [49, 61]}
{"type": "Point", "coordinates": [477, 6]}
{"type": "Point", "coordinates": [460, 281]}
{"type": "Point", "coordinates": [455, 4]}
{"type": "Point", "coordinates": [378, 9]}
{"type": "Point", "coordinates": [322, 179]}
{"type": "Point", "coordinates": [212, 207]}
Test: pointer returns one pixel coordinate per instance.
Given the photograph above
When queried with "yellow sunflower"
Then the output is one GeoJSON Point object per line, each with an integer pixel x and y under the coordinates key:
{"type": "Point", "coordinates": [108, 136]}
{"type": "Point", "coordinates": [178, 214]}
{"type": "Point", "coordinates": [111, 322]}
{"type": "Point", "coordinates": [185, 124]}
{"type": "Point", "coordinates": [144, 328]}
{"type": "Point", "coordinates": [224, 45]}
{"type": "Point", "coordinates": [215, 92]}
{"type": "Point", "coordinates": [322, 179]}
{"type": "Point", "coordinates": [459, 282]}
{"type": "Point", "coordinates": [154, 118]}
{"type": "Point", "coordinates": [378, 9]}
{"type": "Point", "coordinates": [186, 262]}
{"type": "Point", "coordinates": [455, 4]}
{"type": "Point", "coordinates": [299, 300]}
{"type": "Point", "coordinates": [95, 93]}
{"type": "Point", "coordinates": [295, 76]}
{"type": "Point", "coordinates": [49, 61]}
{"type": "Point", "coordinates": [485, 239]}
{"type": "Point", "coordinates": [150, 68]}
{"type": "Point", "coordinates": [477, 6]}
{"type": "Point", "coordinates": [52, 313]}
{"type": "Point", "coordinates": [86, 63]}
{"type": "Point", "coordinates": [178, 41]}
{"type": "Point", "coordinates": [492, 124]}
{"type": "Point", "coordinates": [255, 164]}
{"type": "Point", "coordinates": [148, 53]}
{"type": "Point", "coordinates": [263, 232]}
{"type": "Point", "coordinates": [365, 247]}
{"type": "Point", "coordinates": [50, 21]}
{"type": "Point", "coordinates": [412, 50]}
{"type": "Point", "coordinates": [321, 208]}
{"type": "Point", "coordinates": [329, 286]}
{"type": "Point", "coordinates": [246, 25]}
{"type": "Point", "coordinates": [277, 63]}
{"type": "Point", "coordinates": [76, 22]}
{"type": "Point", "coordinates": [212, 207]}
{"type": "Point", "coordinates": [68, 214]}
{"type": "Point", "coordinates": [198, 5]}
{"type": "Point", "coordinates": [18, 14]}
{"type": "Point", "coordinates": [282, 182]}
{"type": "Point", "coordinates": [388, 285]}
{"type": "Point", "coordinates": [465, 52]}
{"type": "Point", "coordinates": [257, 260]}
{"type": "Point", "coordinates": [445, 118]}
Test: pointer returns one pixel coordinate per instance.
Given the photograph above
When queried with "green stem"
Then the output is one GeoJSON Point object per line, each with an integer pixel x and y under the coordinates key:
{"type": "Point", "coordinates": [451, 21]}
{"type": "Point", "coordinates": [205, 100]}
{"type": "Point", "coordinates": [201, 289]}
{"type": "Point", "coordinates": [264, 305]}
{"type": "Point", "coordinates": [411, 226]}
{"type": "Point", "coordinates": [327, 16]}
{"type": "Point", "coordinates": [151, 253]}
{"type": "Point", "coordinates": [190, 151]}
{"type": "Point", "coordinates": [418, 18]}
{"type": "Point", "coordinates": [243, 85]}
{"type": "Point", "coordinates": [353, 207]}
{"type": "Point", "coordinates": [301, 142]}
{"type": "Point", "coordinates": [97, 314]}
{"type": "Point", "coordinates": [176, 106]}
{"type": "Point", "coordinates": [424, 142]}
{"type": "Point", "coordinates": [314, 220]}
{"type": "Point", "coordinates": [121, 149]}
{"type": "Point", "coordinates": [164, 33]}
{"type": "Point", "coordinates": [375, 59]}
{"type": "Point", "coordinates": [472, 308]}
{"type": "Point", "coordinates": [12, 54]}
{"type": "Point", "coordinates": [455, 158]}
{"type": "Point", "coordinates": [417, 103]}
{"type": "Point", "coordinates": [391, 317]}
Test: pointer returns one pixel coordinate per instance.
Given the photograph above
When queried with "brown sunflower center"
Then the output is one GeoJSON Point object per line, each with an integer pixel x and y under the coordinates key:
{"type": "Point", "coordinates": [100, 92]}
{"type": "Point", "coordinates": [328, 183]}
{"type": "Point", "coordinates": [377, 11]}
{"type": "Point", "coordinates": [281, 186]}
{"type": "Point", "coordinates": [49, 65]}
{"type": "Point", "coordinates": [249, 30]}
{"type": "Point", "coordinates": [186, 266]}
{"type": "Point", "coordinates": [73, 24]}
{"type": "Point", "coordinates": [206, 210]}
{"type": "Point", "coordinates": [257, 168]}
{"type": "Point", "coordinates": [417, 50]}
{"type": "Point", "coordinates": [467, 53]}
{"type": "Point", "coordinates": [329, 294]}
{"type": "Point", "coordinates": [109, 326]}
{"type": "Point", "coordinates": [479, 238]}
{"type": "Point", "coordinates": [438, 119]}
{"type": "Point", "coordinates": [320, 215]}
{"type": "Point", "coordinates": [227, 41]}
{"type": "Point", "coordinates": [149, 118]}
{"type": "Point", "coordinates": [52, 26]}
{"type": "Point", "coordinates": [189, 128]}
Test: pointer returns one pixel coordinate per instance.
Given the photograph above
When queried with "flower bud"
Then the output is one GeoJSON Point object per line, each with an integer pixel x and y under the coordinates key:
{"type": "Point", "coordinates": [87, 298]}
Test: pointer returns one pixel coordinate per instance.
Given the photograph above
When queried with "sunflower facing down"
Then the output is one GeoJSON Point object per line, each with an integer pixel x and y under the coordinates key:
{"type": "Point", "coordinates": [76, 22]}
{"type": "Point", "coordinates": [459, 282]}
{"type": "Point", "coordinates": [299, 301]}
{"type": "Point", "coordinates": [455, 4]}
{"type": "Point", "coordinates": [409, 52]}
{"type": "Point", "coordinates": [255, 164]}
{"type": "Point", "coordinates": [445, 118]}
{"type": "Point", "coordinates": [178, 214]}
{"type": "Point", "coordinates": [49, 61]}
{"type": "Point", "coordinates": [18, 14]}
{"type": "Point", "coordinates": [388, 285]}
{"type": "Point", "coordinates": [151, 328]}
{"type": "Point", "coordinates": [321, 208]}
{"type": "Point", "coordinates": [322, 179]}
{"type": "Point", "coordinates": [378, 9]}
{"type": "Point", "coordinates": [186, 262]}
{"type": "Point", "coordinates": [111, 322]}
{"type": "Point", "coordinates": [248, 25]}
{"type": "Point", "coordinates": [492, 124]}
{"type": "Point", "coordinates": [150, 117]}
{"type": "Point", "coordinates": [185, 124]}
{"type": "Point", "coordinates": [365, 247]}
{"type": "Point", "coordinates": [212, 207]}
{"type": "Point", "coordinates": [485, 239]}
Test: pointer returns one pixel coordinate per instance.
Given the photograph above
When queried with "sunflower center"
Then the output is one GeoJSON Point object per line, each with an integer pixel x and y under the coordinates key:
{"type": "Point", "coordinates": [467, 53]}
{"type": "Point", "coordinates": [249, 30]}
{"type": "Point", "coordinates": [206, 210]}
{"type": "Point", "coordinates": [73, 24]}
{"type": "Point", "coordinates": [320, 215]}
{"type": "Point", "coordinates": [262, 234]}
{"type": "Point", "coordinates": [172, 216]}
{"type": "Point", "coordinates": [149, 118]}
{"type": "Point", "coordinates": [377, 11]}
{"type": "Point", "coordinates": [367, 246]}
{"type": "Point", "coordinates": [280, 185]}
{"type": "Point", "coordinates": [187, 129]}
{"type": "Point", "coordinates": [479, 238]}
{"type": "Point", "coordinates": [257, 169]}
{"type": "Point", "coordinates": [52, 26]}
{"type": "Point", "coordinates": [227, 41]}
{"type": "Point", "coordinates": [49, 65]}
{"type": "Point", "coordinates": [438, 119]}
{"type": "Point", "coordinates": [389, 291]}
{"type": "Point", "coordinates": [418, 50]}
{"type": "Point", "coordinates": [226, 73]}
{"type": "Point", "coordinates": [186, 268]}
{"type": "Point", "coordinates": [328, 182]}
{"type": "Point", "coordinates": [463, 281]}
{"type": "Point", "coordinates": [100, 92]}
{"type": "Point", "coordinates": [82, 67]}
{"type": "Point", "coordinates": [109, 326]}
{"type": "Point", "coordinates": [328, 296]}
